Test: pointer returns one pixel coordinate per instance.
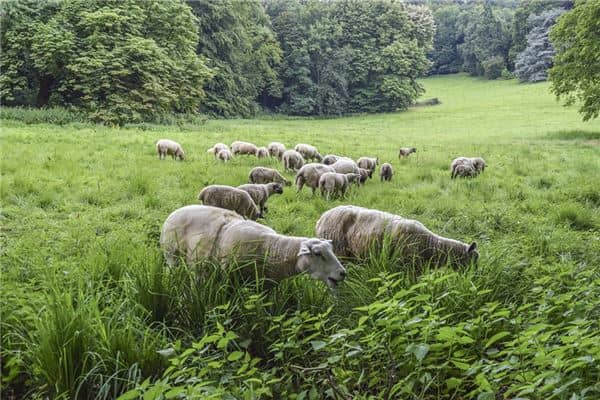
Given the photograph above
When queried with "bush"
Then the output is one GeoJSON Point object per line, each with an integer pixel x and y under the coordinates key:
{"type": "Point", "coordinates": [54, 116]}
{"type": "Point", "coordinates": [493, 67]}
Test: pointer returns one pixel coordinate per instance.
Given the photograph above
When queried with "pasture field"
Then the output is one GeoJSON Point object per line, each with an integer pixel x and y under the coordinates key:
{"type": "Point", "coordinates": [89, 309]}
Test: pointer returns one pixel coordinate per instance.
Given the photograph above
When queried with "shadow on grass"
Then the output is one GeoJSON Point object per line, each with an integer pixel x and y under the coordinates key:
{"type": "Point", "coordinates": [576, 134]}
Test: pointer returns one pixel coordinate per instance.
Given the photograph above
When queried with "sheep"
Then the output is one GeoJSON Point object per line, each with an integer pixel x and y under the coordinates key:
{"type": "Point", "coordinates": [217, 148]}
{"type": "Point", "coordinates": [345, 166]}
{"type": "Point", "coordinates": [243, 148]}
{"type": "Point", "coordinates": [224, 155]}
{"type": "Point", "coordinates": [166, 147]}
{"type": "Point", "coordinates": [332, 183]}
{"type": "Point", "coordinates": [386, 172]}
{"type": "Point", "coordinates": [260, 193]}
{"type": "Point", "coordinates": [309, 175]}
{"type": "Point", "coordinates": [464, 167]}
{"type": "Point", "coordinates": [292, 160]}
{"type": "Point", "coordinates": [479, 164]}
{"type": "Point", "coordinates": [266, 175]}
{"type": "Point", "coordinates": [356, 231]}
{"type": "Point", "coordinates": [368, 163]}
{"type": "Point", "coordinates": [198, 232]}
{"type": "Point", "coordinates": [406, 151]}
{"type": "Point", "coordinates": [332, 159]}
{"type": "Point", "coordinates": [262, 152]}
{"type": "Point", "coordinates": [276, 149]}
{"type": "Point", "coordinates": [364, 175]}
{"type": "Point", "coordinates": [230, 198]}
{"type": "Point", "coordinates": [308, 152]}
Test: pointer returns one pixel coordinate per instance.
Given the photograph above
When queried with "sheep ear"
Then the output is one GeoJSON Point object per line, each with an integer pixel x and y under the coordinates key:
{"type": "Point", "coordinates": [304, 250]}
{"type": "Point", "coordinates": [472, 247]}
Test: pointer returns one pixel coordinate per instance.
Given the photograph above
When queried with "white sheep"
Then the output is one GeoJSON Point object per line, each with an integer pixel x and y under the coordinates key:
{"type": "Point", "coordinates": [386, 172]}
{"type": "Point", "coordinates": [230, 198]}
{"type": "Point", "coordinates": [357, 231]}
{"type": "Point", "coordinates": [332, 158]}
{"type": "Point", "coordinates": [309, 175]}
{"type": "Point", "coordinates": [217, 148]}
{"type": "Point", "coordinates": [406, 151]}
{"type": "Point", "coordinates": [479, 164]}
{"type": "Point", "coordinates": [292, 160]}
{"type": "Point", "coordinates": [262, 152]}
{"type": "Point", "coordinates": [463, 167]}
{"type": "Point", "coordinates": [334, 184]}
{"type": "Point", "coordinates": [197, 233]}
{"type": "Point", "coordinates": [260, 193]}
{"type": "Point", "coordinates": [364, 175]}
{"type": "Point", "coordinates": [368, 163]}
{"type": "Point", "coordinates": [166, 147]}
{"type": "Point", "coordinates": [243, 148]}
{"type": "Point", "coordinates": [345, 166]}
{"type": "Point", "coordinates": [224, 155]}
{"type": "Point", "coordinates": [276, 149]}
{"type": "Point", "coordinates": [266, 175]}
{"type": "Point", "coordinates": [308, 152]}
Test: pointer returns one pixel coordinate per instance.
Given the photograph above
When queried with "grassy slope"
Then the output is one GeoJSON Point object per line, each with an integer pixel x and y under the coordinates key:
{"type": "Point", "coordinates": [75, 196]}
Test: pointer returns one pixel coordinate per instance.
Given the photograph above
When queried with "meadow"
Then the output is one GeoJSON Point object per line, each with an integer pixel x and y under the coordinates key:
{"type": "Point", "coordinates": [89, 309]}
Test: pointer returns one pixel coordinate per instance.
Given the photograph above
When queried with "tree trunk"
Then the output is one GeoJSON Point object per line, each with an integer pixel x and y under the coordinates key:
{"type": "Point", "coordinates": [43, 95]}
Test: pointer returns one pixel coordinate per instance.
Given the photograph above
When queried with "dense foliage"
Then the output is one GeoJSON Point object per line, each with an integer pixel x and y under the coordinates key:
{"type": "Point", "coordinates": [575, 75]}
{"type": "Point", "coordinates": [118, 61]}
{"type": "Point", "coordinates": [533, 62]}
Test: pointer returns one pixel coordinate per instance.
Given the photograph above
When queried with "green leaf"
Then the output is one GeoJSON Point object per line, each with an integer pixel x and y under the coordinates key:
{"type": "Point", "coordinates": [132, 394]}
{"type": "Point", "coordinates": [318, 344]}
{"type": "Point", "coordinates": [236, 355]}
{"type": "Point", "coordinates": [496, 337]}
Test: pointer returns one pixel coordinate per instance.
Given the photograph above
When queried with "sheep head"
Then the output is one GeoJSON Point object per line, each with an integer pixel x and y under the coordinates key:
{"type": "Point", "coordinates": [316, 258]}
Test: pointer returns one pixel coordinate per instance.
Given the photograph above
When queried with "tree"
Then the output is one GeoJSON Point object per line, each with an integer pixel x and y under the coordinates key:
{"type": "Point", "coordinates": [575, 75]}
{"type": "Point", "coordinates": [240, 47]}
{"type": "Point", "coordinates": [126, 61]}
{"type": "Point", "coordinates": [532, 64]}
{"type": "Point", "coordinates": [449, 35]}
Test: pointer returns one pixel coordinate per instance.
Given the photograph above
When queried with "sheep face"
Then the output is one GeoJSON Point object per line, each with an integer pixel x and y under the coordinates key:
{"type": "Point", "coordinates": [465, 257]}
{"type": "Point", "coordinates": [317, 259]}
{"type": "Point", "coordinates": [277, 188]}
{"type": "Point", "coordinates": [181, 155]}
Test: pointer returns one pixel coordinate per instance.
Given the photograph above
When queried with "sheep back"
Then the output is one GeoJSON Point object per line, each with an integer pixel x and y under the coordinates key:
{"type": "Point", "coordinates": [230, 198]}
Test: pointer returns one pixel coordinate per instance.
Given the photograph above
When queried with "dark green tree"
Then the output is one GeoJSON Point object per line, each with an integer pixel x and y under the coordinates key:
{"type": "Point", "coordinates": [449, 35]}
{"type": "Point", "coordinates": [575, 75]}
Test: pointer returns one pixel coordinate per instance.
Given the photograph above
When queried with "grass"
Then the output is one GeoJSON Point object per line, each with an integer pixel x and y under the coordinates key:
{"type": "Point", "coordinates": [90, 311]}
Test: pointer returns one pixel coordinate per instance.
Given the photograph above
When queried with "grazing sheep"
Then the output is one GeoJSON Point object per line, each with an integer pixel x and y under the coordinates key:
{"type": "Point", "coordinates": [260, 193]}
{"type": "Point", "coordinates": [266, 175]}
{"type": "Point", "coordinates": [217, 148]}
{"type": "Point", "coordinates": [166, 147]}
{"type": "Point", "coordinates": [386, 172]}
{"type": "Point", "coordinates": [202, 232]}
{"type": "Point", "coordinates": [332, 159]}
{"type": "Point", "coordinates": [309, 175]}
{"type": "Point", "coordinates": [479, 164]}
{"type": "Point", "coordinates": [406, 151]}
{"type": "Point", "coordinates": [332, 183]}
{"type": "Point", "coordinates": [463, 167]}
{"type": "Point", "coordinates": [224, 155]}
{"type": "Point", "coordinates": [355, 231]}
{"type": "Point", "coordinates": [276, 149]}
{"type": "Point", "coordinates": [292, 160]}
{"type": "Point", "coordinates": [308, 152]}
{"type": "Point", "coordinates": [230, 198]}
{"type": "Point", "coordinates": [262, 152]}
{"type": "Point", "coordinates": [345, 166]}
{"type": "Point", "coordinates": [243, 148]}
{"type": "Point", "coordinates": [364, 175]}
{"type": "Point", "coordinates": [368, 163]}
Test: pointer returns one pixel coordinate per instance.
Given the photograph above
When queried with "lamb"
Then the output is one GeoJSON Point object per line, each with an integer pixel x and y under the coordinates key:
{"type": "Point", "coordinates": [198, 232]}
{"type": "Point", "coordinates": [260, 193]}
{"type": "Point", "coordinates": [262, 152]}
{"type": "Point", "coordinates": [356, 231]}
{"type": "Point", "coordinates": [276, 149]}
{"type": "Point", "coordinates": [292, 160]}
{"type": "Point", "coordinates": [464, 167]}
{"type": "Point", "coordinates": [230, 198]}
{"type": "Point", "coordinates": [217, 148]}
{"type": "Point", "coordinates": [224, 155]}
{"type": "Point", "coordinates": [308, 152]}
{"type": "Point", "coordinates": [364, 175]}
{"type": "Point", "coordinates": [386, 172]}
{"type": "Point", "coordinates": [309, 175]}
{"type": "Point", "coordinates": [243, 148]}
{"type": "Point", "coordinates": [368, 163]}
{"type": "Point", "coordinates": [166, 147]}
{"type": "Point", "coordinates": [406, 151]}
{"type": "Point", "coordinates": [332, 183]}
{"type": "Point", "coordinates": [266, 175]}
{"type": "Point", "coordinates": [345, 166]}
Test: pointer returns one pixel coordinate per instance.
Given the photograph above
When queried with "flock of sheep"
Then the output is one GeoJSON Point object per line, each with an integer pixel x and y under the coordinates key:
{"type": "Point", "coordinates": [224, 227]}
